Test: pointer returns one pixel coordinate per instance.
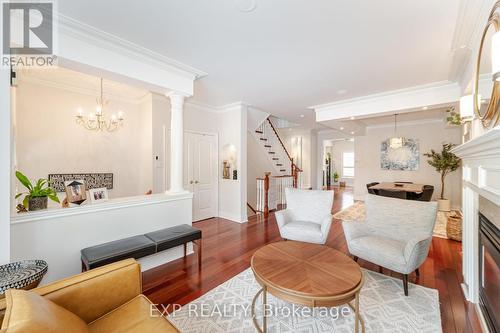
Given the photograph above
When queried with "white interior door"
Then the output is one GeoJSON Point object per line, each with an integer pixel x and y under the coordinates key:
{"type": "Point", "coordinates": [200, 173]}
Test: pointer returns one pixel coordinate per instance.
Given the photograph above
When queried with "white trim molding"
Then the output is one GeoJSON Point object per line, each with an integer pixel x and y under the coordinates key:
{"type": "Point", "coordinates": [481, 178]}
{"type": "Point", "coordinates": [113, 204]}
{"type": "Point", "coordinates": [106, 40]}
{"type": "Point", "coordinates": [402, 100]}
{"type": "Point", "coordinates": [87, 49]}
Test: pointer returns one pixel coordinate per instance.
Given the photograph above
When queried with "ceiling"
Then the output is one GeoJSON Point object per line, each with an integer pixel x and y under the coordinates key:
{"type": "Point", "coordinates": [416, 116]}
{"type": "Point", "coordinates": [284, 56]}
{"type": "Point", "coordinates": [83, 83]}
{"type": "Point", "coordinates": [355, 127]}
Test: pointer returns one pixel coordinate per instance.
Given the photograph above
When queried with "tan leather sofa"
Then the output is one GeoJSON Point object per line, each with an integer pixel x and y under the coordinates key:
{"type": "Point", "coordinates": [108, 299]}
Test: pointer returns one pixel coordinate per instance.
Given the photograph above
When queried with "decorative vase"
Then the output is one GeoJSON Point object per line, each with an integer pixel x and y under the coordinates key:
{"type": "Point", "coordinates": [444, 205]}
{"type": "Point", "coordinates": [37, 203]}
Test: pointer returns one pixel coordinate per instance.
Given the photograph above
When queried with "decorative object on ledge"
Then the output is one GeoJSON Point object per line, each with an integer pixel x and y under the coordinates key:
{"type": "Point", "coordinates": [404, 158]}
{"type": "Point", "coordinates": [92, 180]}
{"type": "Point", "coordinates": [98, 194]}
{"type": "Point", "coordinates": [491, 35]}
{"type": "Point", "coordinates": [75, 191]}
{"type": "Point", "coordinates": [36, 197]}
{"type": "Point", "coordinates": [225, 170]}
{"type": "Point", "coordinates": [25, 275]}
{"type": "Point", "coordinates": [97, 121]}
{"type": "Point", "coordinates": [444, 163]}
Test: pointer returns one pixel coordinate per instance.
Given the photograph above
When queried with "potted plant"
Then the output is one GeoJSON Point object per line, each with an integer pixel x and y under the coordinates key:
{"type": "Point", "coordinates": [335, 177]}
{"type": "Point", "coordinates": [444, 163]}
{"type": "Point", "coordinates": [36, 197]}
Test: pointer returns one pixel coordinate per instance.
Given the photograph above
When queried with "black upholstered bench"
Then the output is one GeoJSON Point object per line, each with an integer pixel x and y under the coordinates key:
{"type": "Point", "coordinates": [140, 246]}
{"type": "Point", "coordinates": [107, 253]}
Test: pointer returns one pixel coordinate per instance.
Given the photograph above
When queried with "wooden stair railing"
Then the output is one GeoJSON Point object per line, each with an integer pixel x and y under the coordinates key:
{"type": "Point", "coordinates": [294, 168]}
{"type": "Point", "coordinates": [267, 202]}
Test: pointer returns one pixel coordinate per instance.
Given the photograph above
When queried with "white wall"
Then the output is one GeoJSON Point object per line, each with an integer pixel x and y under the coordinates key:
{"type": "Point", "coordinates": [337, 149]}
{"type": "Point", "coordinates": [233, 193]}
{"type": "Point", "coordinates": [196, 119]}
{"type": "Point", "coordinates": [258, 165]}
{"type": "Point", "coordinates": [230, 125]}
{"type": "Point", "coordinates": [431, 135]}
{"type": "Point", "coordinates": [50, 141]}
{"type": "Point", "coordinates": [58, 236]}
{"type": "Point", "coordinates": [5, 151]}
{"type": "Point", "coordinates": [308, 151]}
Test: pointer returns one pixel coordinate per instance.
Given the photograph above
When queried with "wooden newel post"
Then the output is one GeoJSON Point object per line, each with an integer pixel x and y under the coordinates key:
{"type": "Point", "coordinates": [266, 194]}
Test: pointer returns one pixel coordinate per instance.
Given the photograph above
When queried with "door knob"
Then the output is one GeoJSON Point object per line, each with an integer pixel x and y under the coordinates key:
{"type": "Point", "coordinates": [190, 182]}
{"type": "Point", "coordinates": [196, 182]}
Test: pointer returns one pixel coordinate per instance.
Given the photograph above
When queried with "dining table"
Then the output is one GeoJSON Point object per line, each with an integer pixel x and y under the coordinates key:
{"type": "Point", "coordinates": [396, 186]}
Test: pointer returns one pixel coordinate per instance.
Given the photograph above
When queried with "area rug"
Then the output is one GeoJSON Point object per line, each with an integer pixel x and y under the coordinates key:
{"type": "Point", "coordinates": [383, 307]}
{"type": "Point", "coordinates": [356, 212]}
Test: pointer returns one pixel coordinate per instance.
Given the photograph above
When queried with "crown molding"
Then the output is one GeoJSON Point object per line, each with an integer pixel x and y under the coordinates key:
{"type": "Point", "coordinates": [408, 99]}
{"type": "Point", "coordinates": [81, 90]}
{"type": "Point", "coordinates": [215, 109]}
{"type": "Point", "coordinates": [408, 123]}
{"type": "Point", "coordinates": [109, 41]}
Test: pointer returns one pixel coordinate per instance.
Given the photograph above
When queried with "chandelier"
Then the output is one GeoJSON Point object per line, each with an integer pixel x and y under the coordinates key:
{"type": "Point", "coordinates": [396, 142]}
{"type": "Point", "coordinates": [97, 121]}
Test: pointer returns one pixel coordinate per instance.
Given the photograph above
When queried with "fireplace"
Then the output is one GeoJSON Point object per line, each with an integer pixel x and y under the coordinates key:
{"type": "Point", "coordinates": [489, 272]}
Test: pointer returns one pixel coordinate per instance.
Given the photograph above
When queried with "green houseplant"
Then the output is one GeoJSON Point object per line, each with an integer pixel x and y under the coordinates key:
{"type": "Point", "coordinates": [335, 177]}
{"type": "Point", "coordinates": [444, 162]}
{"type": "Point", "coordinates": [36, 197]}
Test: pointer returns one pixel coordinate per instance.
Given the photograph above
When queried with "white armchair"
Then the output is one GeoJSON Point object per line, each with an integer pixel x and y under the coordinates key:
{"type": "Point", "coordinates": [307, 217]}
{"type": "Point", "coordinates": [396, 234]}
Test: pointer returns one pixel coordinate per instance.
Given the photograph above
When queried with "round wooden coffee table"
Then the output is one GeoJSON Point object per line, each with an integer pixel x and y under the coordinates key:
{"type": "Point", "coordinates": [306, 274]}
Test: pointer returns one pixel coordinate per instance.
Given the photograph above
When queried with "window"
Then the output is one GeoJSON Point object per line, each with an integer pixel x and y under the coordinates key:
{"type": "Point", "coordinates": [348, 165]}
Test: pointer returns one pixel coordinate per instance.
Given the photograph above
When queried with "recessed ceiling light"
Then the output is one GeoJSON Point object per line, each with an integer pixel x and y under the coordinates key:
{"type": "Point", "coordinates": [352, 132]}
{"type": "Point", "coordinates": [302, 116]}
{"type": "Point", "coordinates": [341, 128]}
{"type": "Point", "coordinates": [341, 92]}
{"type": "Point", "coordinates": [425, 108]}
{"type": "Point", "coordinates": [246, 5]}
{"type": "Point", "coordinates": [352, 118]}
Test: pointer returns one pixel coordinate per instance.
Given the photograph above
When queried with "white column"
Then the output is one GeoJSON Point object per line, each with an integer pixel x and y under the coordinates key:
{"type": "Point", "coordinates": [176, 142]}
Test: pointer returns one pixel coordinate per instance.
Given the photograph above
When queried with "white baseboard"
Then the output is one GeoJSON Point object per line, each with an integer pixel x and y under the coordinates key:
{"type": "Point", "coordinates": [231, 216]}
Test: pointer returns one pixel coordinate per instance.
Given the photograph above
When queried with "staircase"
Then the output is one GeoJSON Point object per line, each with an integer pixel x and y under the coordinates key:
{"type": "Point", "coordinates": [274, 148]}
{"type": "Point", "coordinates": [271, 188]}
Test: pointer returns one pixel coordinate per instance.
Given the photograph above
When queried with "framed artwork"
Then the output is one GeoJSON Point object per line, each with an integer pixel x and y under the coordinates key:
{"type": "Point", "coordinates": [92, 180]}
{"type": "Point", "coordinates": [98, 194]}
{"type": "Point", "coordinates": [76, 192]}
{"type": "Point", "coordinates": [405, 158]}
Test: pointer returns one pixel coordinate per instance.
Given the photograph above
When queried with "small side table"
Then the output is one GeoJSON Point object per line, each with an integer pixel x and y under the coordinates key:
{"type": "Point", "coordinates": [25, 275]}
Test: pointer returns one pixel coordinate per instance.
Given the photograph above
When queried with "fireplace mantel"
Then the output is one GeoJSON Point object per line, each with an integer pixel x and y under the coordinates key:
{"type": "Point", "coordinates": [481, 178]}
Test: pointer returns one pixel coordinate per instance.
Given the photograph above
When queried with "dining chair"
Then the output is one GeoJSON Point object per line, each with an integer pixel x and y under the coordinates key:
{"type": "Point", "coordinates": [426, 194]}
{"type": "Point", "coordinates": [372, 191]}
{"type": "Point", "coordinates": [392, 194]}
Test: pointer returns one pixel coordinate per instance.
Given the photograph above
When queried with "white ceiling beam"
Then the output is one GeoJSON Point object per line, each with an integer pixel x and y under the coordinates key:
{"type": "Point", "coordinates": [404, 100]}
{"type": "Point", "coordinates": [84, 48]}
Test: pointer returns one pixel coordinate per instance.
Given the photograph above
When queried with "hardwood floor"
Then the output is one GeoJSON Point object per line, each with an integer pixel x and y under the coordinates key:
{"type": "Point", "coordinates": [229, 246]}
